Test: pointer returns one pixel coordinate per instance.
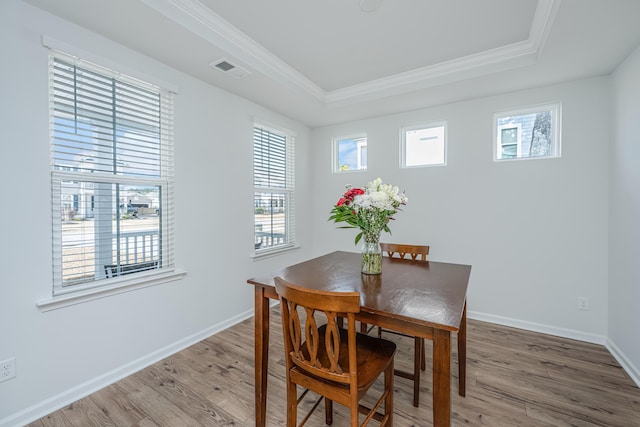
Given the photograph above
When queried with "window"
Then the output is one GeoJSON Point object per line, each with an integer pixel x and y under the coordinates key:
{"type": "Point", "coordinates": [273, 181]}
{"type": "Point", "coordinates": [528, 133]}
{"type": "Point", "coordinates": [111, 175]}
{"type": "Point", "coordinates": [423, 145]}
{"type": "Point", "coordinates": [510, 137]}
{"type": "Point", "coordinates": [350, 153]}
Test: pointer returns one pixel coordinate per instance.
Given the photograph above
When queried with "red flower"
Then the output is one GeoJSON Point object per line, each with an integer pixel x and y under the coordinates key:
{"type": "Point", "coordinates": [350, 195]}
{"type": "Point", "coordinates": [341, 202]}
{"type": "Point", "coordinates": [354, 192]}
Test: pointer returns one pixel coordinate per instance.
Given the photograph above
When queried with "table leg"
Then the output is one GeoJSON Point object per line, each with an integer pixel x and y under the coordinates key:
{"type": "Point", "coordinates": [441, 378]}
{"type": "Point", "coordinates": [462, 353]}
{"type": "Point", "coordinates": [261, 319]}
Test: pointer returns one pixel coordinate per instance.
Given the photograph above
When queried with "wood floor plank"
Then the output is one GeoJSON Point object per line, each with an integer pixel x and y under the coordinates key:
{"type": "Point", "coordinates": [117, 406]}
{"type": "Point", "coordinates": [208, 384]}
{"type": "Point", "coordinates": [181, 395]}
{"type": "Point", "coordinates": [145, 422]}
{"type": "Point", "coordinates": [160, 410]}
{"type": "Point", "coordinates": [556, 419]}
{"type": "Point", "coordinates": [514, 378]}
{"type": "Point", "coordinates": [55, 419]}
{"type": "Point", "coordinates": [85, 412]}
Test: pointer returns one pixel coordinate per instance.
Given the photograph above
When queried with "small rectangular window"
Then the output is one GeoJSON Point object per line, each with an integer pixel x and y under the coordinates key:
{"type": "Point", "coordinates": [532, 132]}
{"type": "Point", "coordinates": [273, 181]}
{"type": "Point", "coordinates": [350, 153]}
{"type": "Point", "coordinates": [423, 145]}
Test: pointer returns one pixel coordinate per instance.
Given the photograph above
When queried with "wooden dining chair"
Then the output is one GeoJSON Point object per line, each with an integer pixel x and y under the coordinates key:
{"type": "Point", "coordinates": [415, 252]}
{"type": "Point", "coordinates": [338, 364]}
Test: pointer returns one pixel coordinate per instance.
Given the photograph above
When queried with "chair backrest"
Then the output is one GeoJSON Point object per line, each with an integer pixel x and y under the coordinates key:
{"type": "Point", "coordinates": [319, 355]}
{"type": "Point", "coordinates": [414, 251]}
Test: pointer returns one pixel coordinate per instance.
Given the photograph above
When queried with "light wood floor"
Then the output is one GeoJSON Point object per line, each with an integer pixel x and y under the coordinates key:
{"type": "Point", "coordinates": [514, 378]}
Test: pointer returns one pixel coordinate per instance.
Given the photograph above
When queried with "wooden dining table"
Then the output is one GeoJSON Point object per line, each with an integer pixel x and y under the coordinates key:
{"type": "Point", "coordinates": [419, 298]}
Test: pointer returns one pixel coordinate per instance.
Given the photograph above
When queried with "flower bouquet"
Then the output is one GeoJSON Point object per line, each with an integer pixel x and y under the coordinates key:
{"type": "Point", "coordinates": [370, 209]}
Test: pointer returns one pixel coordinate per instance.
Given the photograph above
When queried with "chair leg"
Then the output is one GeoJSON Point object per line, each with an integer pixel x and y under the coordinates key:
{"type": "Point", "coordinates": [363, 328]}
{"type": "Point", "coordinates": [292, 405]}
{"type": "Point", "coordinates": [354, 412]}
{"type": "Point", "coordinates": [418, 343]}
{"type": "Point", "coordinates": [419, 364]}
{"type": "Point", "coordinates": [328, 411]}
{"type": "Point", "coordinates": [388, 386]}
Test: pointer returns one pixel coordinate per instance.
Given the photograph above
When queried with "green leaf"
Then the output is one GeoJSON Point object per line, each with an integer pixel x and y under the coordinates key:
{"type": "Point", "coordinates": [358, 237]}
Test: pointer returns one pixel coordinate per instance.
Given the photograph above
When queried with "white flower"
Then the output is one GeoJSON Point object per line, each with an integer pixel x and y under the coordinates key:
{"type": "Point", "coordinates": [362, 201]}
{"type": "Point", "coordinates": [373, 185]}
{"type": "Point", "coordinates": [370, 211]}
{"type": "Point", "coordinates": [381, 200]}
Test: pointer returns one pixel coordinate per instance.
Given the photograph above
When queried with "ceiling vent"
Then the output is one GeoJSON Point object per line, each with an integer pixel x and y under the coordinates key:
{"type": "Point", "coordinates": [229, 68]}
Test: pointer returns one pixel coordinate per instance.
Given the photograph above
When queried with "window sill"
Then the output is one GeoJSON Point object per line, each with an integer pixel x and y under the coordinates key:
{"type": "Point", "coordinates": [517, 159]}
{"type": "Point", "coordinates": [93, 294]}
{"type": "Point", "coordinates": [271, 253]}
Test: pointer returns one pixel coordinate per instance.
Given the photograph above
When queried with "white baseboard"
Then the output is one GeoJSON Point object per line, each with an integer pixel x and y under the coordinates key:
{"type": "Point", "coordinates": [67, 397]}
{"type": "Point", "coordinates": [539, 327]}
{"type": "Point", "coordinates": [628, 367]}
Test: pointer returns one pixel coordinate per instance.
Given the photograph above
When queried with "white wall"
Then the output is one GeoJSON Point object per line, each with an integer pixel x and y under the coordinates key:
{"type": "Point", "coordinates": [63, 354]}
{"type": "Point", "coordinates": [535, 231]}
{"type": "Point", "coordinates": [624, 217]}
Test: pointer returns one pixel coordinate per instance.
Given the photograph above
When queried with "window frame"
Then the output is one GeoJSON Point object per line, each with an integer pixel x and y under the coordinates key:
{"type": "Point", "coordinates": [361, 141]}
{"type": "Point", "coordinates": [518, 143]}
{"type": "Point", "coordinates": [65, 293]}
{"type": "Point", "coordinates": [556, 131]}
{"type": "Point", "coordinates": [429, 125]}
{"type": "Point", "coordinates": [288, 191]}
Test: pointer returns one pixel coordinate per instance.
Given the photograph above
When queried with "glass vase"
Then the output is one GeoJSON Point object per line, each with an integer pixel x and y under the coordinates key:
{"type": "Point", "coordinates": [371, 255]}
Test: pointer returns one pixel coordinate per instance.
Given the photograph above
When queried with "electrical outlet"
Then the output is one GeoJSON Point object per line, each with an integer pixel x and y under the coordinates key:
{"type": "Point", "coordinates": [583, 303]}
{"type": "Point", "coordinates": [7, 369]}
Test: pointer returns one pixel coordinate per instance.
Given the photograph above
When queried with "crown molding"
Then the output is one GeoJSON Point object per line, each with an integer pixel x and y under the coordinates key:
{"type": "Point", "coordinates": [202, 21]}
{"type": "Point", "coordinates": [468, 66]}
{"type": "Point", "coordinates": [505, 57]}
{"type": "Point", "coordinates": [545, 14]}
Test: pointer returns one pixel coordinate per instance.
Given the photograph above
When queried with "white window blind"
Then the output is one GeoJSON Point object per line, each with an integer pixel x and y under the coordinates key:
{"type": "Point", "coordinates": [273, 180]}
{"type": "Point", "coordinates": [111, 175]}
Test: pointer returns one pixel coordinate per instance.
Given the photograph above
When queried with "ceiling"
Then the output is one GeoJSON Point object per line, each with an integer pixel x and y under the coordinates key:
{"type": "Point", "coordinates": [329, 61]}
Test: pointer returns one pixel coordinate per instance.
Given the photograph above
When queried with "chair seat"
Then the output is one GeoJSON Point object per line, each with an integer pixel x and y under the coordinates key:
{"type": "Point", "coordinates": [373, 357]}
